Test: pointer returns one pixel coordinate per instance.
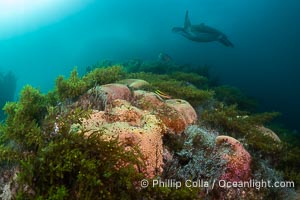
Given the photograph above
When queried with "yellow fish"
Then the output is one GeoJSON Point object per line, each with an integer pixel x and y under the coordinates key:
{"type": "Point", "coordinates": [162, 95]}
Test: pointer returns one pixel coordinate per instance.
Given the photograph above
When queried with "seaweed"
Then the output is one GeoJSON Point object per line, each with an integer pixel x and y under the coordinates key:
{"type": "Point", "coordinates": [104, 75]}
{"type": "Point", "coordinates": [57, 160]}
{"type": "Point", "coordinates": [175, 88]}
{"type": "Point", "coordinates": [242, 125]}
{"type": "Point", "coordinates": [22, 125]}
{"type": "Point", "coordinates": [70, 88]}
{"type": "Point", "coordinates": [232, 95]}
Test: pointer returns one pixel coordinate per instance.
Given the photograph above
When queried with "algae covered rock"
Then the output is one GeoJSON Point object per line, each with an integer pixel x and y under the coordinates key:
{"type": "Point", "coordinates": [133, 127]}
{"type": "Point", "coordinates": [137, 118]}
{"type": "Point", "coordinates": [99, 97]}
{"type": "Point", "coordinates": [146, 100]}
{"type": "Point", "coordinates": [111, 134]}
{"type": "Point", "coordinates": [183, 107]}
{"type": "Point", "coordinates": [176, 114]}
{"type": "Point", "coordinates": [114, 91]}
{"type": "Point", "coordinates": [238, 159]}
{"type": "Point", "coordinates": [8, 185]}
{"type": "Point", "coordinates": [134, 83]}
{"type": "Point", "coordinates": [268, 132]}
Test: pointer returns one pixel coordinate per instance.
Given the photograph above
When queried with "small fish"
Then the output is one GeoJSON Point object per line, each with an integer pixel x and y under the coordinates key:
{"type": "Point", "coordinates": [162, 95]}
{"type": "Point", "coordinates": [163, 57]}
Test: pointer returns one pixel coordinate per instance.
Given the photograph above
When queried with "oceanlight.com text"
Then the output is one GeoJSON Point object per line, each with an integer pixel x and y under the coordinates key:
{"type": "Point", "coordinates": [257, 184]}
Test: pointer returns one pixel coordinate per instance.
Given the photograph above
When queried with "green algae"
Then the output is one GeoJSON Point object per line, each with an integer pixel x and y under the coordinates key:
{"type": "Point", "coordinates": [175, 88]}
{"type": "Point", "coordinates": [70, 88]}
{"type": "Point", "coordinates": [242, 125]}
{"type": "Point", "coordinates": [30, 140]}
{"type": "Point", "coordinates": [104, 75]}
{"type": "Point", "coordinates": [232, 95]}
{"type": "Point", "coordinates": [61, 164]}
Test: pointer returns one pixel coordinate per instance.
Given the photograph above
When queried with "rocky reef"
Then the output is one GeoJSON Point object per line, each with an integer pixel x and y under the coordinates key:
{"type": "Point", "coordinates": [138, 118]}
{"type": "Point", "coordinates": [101, 135]}
{"type": "Point", "coordinates": [8, 83]}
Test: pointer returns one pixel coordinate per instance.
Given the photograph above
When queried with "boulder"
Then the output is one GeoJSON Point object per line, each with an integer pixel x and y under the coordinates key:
{"type": "Point", "coordinates": [99, 97]}
{"type": "Point", "coordinates": [268, 132]}
{"type": "Point", "coordinates": [184, 108]}
{"type": "Point", "coordinates": [238, 159]}
{"type": "Point", "coordinates": [176, 114]}
{"type": "Point", "coordinates": [146, 100]}
{"type": "Point", "coordinates": [133, 127]}
{"type": "Point", "coordinates": [136, 118]}
{"type": "Point", "coordinates": [134, 83]}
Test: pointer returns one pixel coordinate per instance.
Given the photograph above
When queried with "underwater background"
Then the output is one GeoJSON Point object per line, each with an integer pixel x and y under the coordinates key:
{"type": "Point", "coordinates": [103, 99]}
{"type": "Point", "coordinates": [40, 40]}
